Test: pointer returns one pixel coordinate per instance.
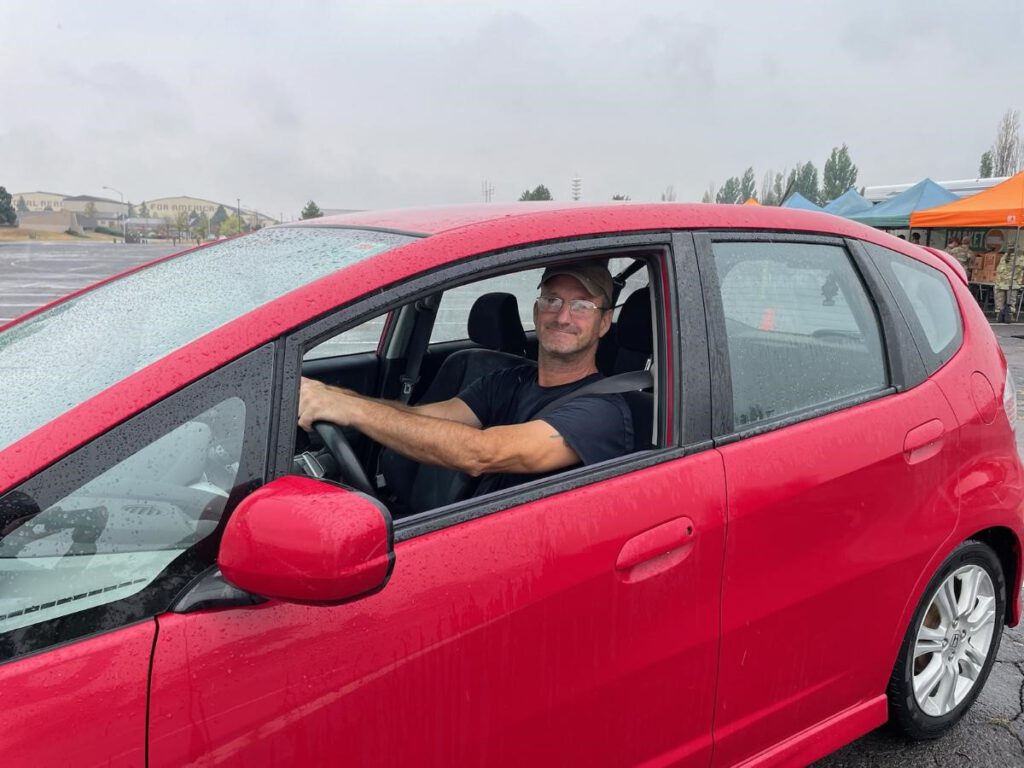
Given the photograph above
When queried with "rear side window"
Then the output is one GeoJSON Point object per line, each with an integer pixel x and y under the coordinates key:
{"type": "Point", "coordinates": [924, 295]}
{"type": "Point", "coordinates": [801, 329]}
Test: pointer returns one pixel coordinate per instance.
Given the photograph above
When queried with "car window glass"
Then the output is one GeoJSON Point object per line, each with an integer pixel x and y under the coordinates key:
{"type": "Point", "coordinates": [801, 329]}
{"type": "Point", "coordinates": [112, 536]}
{"type": "Point", "coordinates": [456, 303]}
{"type": "Point", "coordinates": [928, 295]}
{"type": "Point", "coordinates": [362, 338]}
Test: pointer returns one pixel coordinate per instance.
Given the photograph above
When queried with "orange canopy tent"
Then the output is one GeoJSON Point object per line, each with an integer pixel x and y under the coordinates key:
{"type": "Point", "coordinates": [1000, 206]}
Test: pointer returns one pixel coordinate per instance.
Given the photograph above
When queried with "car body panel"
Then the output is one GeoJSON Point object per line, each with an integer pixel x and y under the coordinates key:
{"type": "Point", "coordinates": [84, 703]}
{"type": "Point", "coordinates": [820, 563]}
{"type": "Point", "coordinates": [510, 640]}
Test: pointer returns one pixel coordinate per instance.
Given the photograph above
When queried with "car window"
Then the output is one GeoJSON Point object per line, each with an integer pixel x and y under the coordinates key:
{"type": "Point", "coordinates": [801, 329]}
{"type": "Point", "coordinates": [928, 296]}
{"type": "Point", "coordinates": [88, 538]}
{"type": "Point", "coordinates": [453, 311]}
{"type": "Point", "coordinates": [363, 338]}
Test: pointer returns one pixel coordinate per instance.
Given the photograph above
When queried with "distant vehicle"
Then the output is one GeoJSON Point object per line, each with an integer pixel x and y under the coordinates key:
{"type": "Point", "coordinates": [819, 529]}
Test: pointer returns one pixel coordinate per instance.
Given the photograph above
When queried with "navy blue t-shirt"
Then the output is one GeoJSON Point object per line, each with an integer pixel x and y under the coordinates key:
{"type": "Point", "coordinates": [596, 427]}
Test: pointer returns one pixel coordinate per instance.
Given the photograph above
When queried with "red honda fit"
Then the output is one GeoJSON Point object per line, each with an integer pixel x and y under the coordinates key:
{"type": "Point", "coordinates": [818, 530]}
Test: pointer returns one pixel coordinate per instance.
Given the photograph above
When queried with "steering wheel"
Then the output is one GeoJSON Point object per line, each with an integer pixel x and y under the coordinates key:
{"type": "Point", "coordinates": [336, 442]}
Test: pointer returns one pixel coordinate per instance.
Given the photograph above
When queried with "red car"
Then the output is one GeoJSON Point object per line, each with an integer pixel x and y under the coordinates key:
{"type": "Point", "coordinates": [818, 530]}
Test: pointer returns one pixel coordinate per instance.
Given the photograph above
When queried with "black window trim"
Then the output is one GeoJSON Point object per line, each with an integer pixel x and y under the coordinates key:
{"type": "Point", "coordinates": [250, 377]}
{"type": "Point", "coordinates": [904, 366]}
{"type": "Point", "coordinates": [477, 267]}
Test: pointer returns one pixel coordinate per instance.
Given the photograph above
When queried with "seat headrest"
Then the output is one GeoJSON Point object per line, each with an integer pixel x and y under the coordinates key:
{"type": "Point", "coordinates": [494, 323]}
{"type": "Point", "coordinates": [633, 329]}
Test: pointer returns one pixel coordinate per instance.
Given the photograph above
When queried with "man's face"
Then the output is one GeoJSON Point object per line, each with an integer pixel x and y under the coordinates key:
{"type": "Point", "coordinates": [562, 333]}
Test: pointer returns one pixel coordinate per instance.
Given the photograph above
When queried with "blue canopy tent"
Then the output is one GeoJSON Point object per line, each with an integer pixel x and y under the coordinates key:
{"type": "Point", "coordinates": [895, 213]}
{"type": "Point", "coordinates": [848, 204]}
{"type": "Point", "coordinates": [798, 201]}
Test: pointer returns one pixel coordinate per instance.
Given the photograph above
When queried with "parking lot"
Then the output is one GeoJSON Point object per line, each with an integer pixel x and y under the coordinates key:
{"type": "Point", "coordinates": [992, 734]}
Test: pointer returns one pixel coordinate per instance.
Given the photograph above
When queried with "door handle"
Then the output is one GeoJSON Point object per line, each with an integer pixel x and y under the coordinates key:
{"type": "Point", "coordinates": [657, 549]}
{"type": "Point", "coordinates": [923, 442]}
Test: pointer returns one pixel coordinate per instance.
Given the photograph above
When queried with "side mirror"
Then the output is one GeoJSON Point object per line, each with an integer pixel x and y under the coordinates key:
{"type": "Point", "coordinates": [307, 541]}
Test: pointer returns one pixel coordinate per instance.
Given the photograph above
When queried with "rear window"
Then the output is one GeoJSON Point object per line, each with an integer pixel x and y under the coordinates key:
{"type": "Point", "coordinates": [60, 358]}
{"type": "Point", "coordinates": [924, 295]}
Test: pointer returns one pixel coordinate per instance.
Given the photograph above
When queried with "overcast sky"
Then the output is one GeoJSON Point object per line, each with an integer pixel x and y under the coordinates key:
{"type": "Point", "coordinates": [371, 104]}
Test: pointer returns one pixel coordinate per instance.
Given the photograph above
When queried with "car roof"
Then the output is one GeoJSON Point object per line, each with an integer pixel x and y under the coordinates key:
{"type": "Point", "coordinates": [442, 219]}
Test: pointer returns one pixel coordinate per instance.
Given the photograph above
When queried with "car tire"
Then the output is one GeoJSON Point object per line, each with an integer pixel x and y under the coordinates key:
{"type": "Point", "coordinates": [950, 645]}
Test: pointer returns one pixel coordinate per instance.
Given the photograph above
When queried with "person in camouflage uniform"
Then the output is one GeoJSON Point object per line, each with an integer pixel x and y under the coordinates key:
{"type": "Point", "coordinates": [1005, 297]}
{"type": "Point", "coordinates": [961, 251]}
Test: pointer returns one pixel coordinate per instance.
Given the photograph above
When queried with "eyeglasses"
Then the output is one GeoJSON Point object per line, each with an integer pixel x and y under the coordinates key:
{"type": "Point", "coordinates": [550, 305]}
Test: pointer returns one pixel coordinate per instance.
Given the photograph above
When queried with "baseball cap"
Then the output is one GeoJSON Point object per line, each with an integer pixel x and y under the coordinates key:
{"type": "Point", "coordinates": [593, 275]}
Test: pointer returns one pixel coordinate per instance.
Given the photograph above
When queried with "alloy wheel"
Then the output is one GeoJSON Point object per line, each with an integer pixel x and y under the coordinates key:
{"type": "Point", "coordinates": [954, 640]}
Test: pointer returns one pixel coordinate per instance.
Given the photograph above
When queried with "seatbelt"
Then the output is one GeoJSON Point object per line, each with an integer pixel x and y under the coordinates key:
{"type": "Point", "coordinates": [624, 382]}
{"type": "Point", "coordinates": [418, 342]}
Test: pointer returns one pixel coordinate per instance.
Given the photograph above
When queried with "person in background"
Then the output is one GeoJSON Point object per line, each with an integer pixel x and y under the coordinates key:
{"type": "Point", "coordinates": [1008, 274]}
{"type": "Point", "coordinates": [961, 251]}
{"type": "Point", "coordinates": [915, 238]}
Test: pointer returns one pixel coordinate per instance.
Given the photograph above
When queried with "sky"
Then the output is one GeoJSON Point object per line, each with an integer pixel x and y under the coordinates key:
{"type": "Point", "coordinates": [393, 104]}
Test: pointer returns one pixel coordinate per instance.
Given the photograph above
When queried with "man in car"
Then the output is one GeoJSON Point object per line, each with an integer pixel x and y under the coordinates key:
{"type": "Point", "coordinates": [489, 429]}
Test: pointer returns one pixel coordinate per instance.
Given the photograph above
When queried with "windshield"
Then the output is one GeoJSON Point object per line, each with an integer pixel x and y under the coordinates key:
{"type": "Point", "coordinates": [60, 358]}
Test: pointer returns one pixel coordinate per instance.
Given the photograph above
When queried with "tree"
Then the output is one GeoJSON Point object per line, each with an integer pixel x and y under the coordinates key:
{"type": "Point", "coordinates": [22, 206]}
{"type": "Point", "coordinates": [144, 210]}
{"type": "Point", "coordinates": [8, 216]}
{"type": "Point", "coordinates": [748, 186]}
{"type": "Point", "coordinates": [219, 217]}
{"type": "Point", "coordinates": [620, 197]}
{"type": "Point", "coordinates": [985, 166]}
{"type": "Point", "coordinates": [773, 187]}
{"type": "Point", "coordinates": [90, 209]}
{"type": "Point", "coordinates": [540, 192]}
{"type": "Point", "coordinates": [840, 174]}
{"type": "Point", "coordinates": [131, 210]}
{"type": "Point", "coordinates": [1007, 149]}
{"type": "Point", "coordinates": [709, 194]}
{"type": "Point", "coordinates": [201, 227]}
{"type": "Point", "coordinates": [311, 211]}
{"type": "Point", "coordinates": [730, 191]}
{"type": "Point", "coordinates": [804, 179]}
{"type": "Point", "coordinates": [230, 226]}
{"type": "Point", "coordinates": [181, 222]}
{"type": "Point", "coordinates": [669, 195]}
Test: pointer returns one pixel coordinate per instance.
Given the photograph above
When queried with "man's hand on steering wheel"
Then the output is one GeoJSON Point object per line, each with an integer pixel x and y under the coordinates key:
{"type": "Point", "coordinates": [326, 410]}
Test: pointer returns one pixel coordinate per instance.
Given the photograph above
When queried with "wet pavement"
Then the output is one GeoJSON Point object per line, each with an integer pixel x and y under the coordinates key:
{"type": "Point", "coordinates": [992, 732]}
{"type": "Point", "coordinates": [35, 273]}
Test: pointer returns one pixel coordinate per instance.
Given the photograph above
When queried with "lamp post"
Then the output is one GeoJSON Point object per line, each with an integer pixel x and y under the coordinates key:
{"type": "Point", "coordinates": [124, 220]}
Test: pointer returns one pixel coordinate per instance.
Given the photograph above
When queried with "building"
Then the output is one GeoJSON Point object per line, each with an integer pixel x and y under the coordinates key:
{"type": "Point", "coordinates": [39, 201]}
{"type": "Point", "coordinates": [170, 207]}
{"type": "Point", "coordinates": [97, 211]}
{"type": "Point", "coordinates": [959, 187]}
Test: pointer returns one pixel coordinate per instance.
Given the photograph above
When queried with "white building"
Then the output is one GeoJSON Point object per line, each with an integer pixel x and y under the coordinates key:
{"type": "Point", "coordinates": [959, 187]}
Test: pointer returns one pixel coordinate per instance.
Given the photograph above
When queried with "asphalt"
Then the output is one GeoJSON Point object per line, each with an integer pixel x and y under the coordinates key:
{"type": "Point", "coordinates": [990, 735]}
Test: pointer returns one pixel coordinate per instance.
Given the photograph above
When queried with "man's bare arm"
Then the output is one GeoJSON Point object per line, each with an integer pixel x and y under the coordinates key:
{"type": "Point", "coordinates": [529, 448]}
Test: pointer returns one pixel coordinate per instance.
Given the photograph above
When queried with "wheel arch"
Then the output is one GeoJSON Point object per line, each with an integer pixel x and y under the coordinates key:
{"type": "Point", "coordinates": [1006, 545]}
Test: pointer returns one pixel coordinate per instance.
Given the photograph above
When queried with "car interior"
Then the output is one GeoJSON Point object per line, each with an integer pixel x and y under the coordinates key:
{"type": "Point", "coordinates": [414, 361]}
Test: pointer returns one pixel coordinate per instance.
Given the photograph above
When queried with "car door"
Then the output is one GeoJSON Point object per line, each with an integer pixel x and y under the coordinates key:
{"type": "Point", "coordinates": [838, 460]}
{"type": "Point", "coordinates": [93, 547]}
{"type": "Point", "coordinates": [572, 620]}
